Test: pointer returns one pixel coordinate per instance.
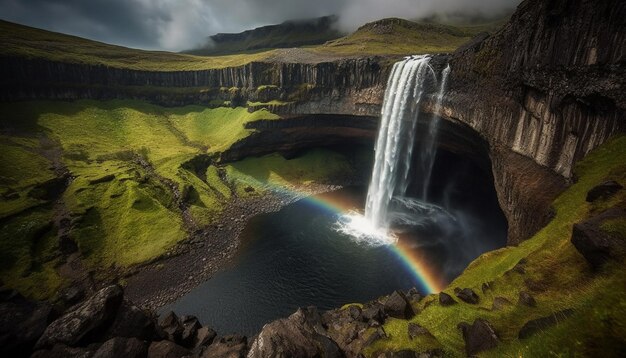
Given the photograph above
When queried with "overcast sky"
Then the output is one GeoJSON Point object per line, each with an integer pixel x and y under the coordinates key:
{"type": "Point", "coordinates": [182, 24]}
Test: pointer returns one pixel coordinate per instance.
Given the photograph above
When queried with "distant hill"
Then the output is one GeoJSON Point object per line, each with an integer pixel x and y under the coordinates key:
{"type": "Point", "coordinates": [294, 33]}
{"type": "Point", "coordinates": [399, 36]}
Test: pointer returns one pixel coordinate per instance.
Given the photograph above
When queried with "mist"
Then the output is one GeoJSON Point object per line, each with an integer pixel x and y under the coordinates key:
{"type": "Point", "coordinates": [176, 25]}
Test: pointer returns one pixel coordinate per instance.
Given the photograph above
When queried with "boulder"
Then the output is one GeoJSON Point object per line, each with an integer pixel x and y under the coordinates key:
{"type": "Point", "coordinates": [499, 303]}
{"type": "Point", "coordinates": [234, 346]}
{"type": "Point", "coordinates": [166, 349]}
{"type": "Point", "coordinates": [397, 306]}
{"type": "Point", "coordinates": [171, 326]}
{"type": "Point", "coordinates": [299, 335]}
{"type": "Point", "coordinates": [190, 330]}
{"type": "Point", "coordinates": [478, 336]}
{"type": "Point", "coordinates": [468, 295]}
{"type": "Point", "coordinates": [445, 299]}
{"type": "Point", "coordinates": [21, 324]}
{"type": "Point", "coordinates": [63, 351]}
{"type": "Point", "coordinates": [413, 295]}
{"type": "Point", "coordinates": [526, 299]}
{"type": "Point", "coordinates": [415, 330]}
{"type": "Point", "coordinates": [82, 322]}
{"type": "Point", "coordinates": [596, 244]}
{"type": "Point", "coordinates": [131, 321]}
{"type": "Point", "coordinates": [373, 313]}
{"type": "Point", "coordinates": [604, 191]}
{"type": "Point", "coordinates": [204, 337]}
{"type": "Point", "coordinates": [533, 326]}
{"type": "Point", "coordinates": [122, 347]}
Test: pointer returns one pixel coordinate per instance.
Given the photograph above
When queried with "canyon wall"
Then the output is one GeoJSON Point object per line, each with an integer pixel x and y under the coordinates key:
{"type": "Point", "coordinates": [541, 93]}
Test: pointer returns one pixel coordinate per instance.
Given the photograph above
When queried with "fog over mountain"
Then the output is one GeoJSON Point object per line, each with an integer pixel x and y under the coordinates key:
{"type": "Point", "coordinates": [181, 24]}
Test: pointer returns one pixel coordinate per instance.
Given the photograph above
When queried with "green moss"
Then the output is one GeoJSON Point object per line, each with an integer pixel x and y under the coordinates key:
{"type": "Point", "coordinates": [273, 171]}
{"type": "Point", "coordinates": [555, 273]}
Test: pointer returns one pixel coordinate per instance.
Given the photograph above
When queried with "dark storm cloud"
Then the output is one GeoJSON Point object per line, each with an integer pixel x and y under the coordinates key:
{"type": "Point", "coordinates": [181, 24]}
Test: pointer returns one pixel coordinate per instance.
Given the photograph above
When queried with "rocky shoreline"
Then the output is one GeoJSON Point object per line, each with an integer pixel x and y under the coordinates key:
{"type": "Point", "coordinates": [195, 260]}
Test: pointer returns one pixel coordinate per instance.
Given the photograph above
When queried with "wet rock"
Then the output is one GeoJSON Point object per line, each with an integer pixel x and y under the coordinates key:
{"type": "Point", "coordinates": [526, 299]}
{"type": "Point", "coordinates": [604, 191]}
{"type": "Point", "coordinates": [597, 245]}
{"type": "Point", "coordinates": [478, 337]}
{"type": "Point", "coordinates": [171, 326]}
{"type": "Point", "coordinates": [131, 321]}
{"type": "Point", "coordinates": [21, 324]}
{"type": "Point", "coordinates": [82, 321]}
{"type": "Point", "coordinates": [299, 335]}
{"type": "Point", "coordinates": [63, 351]}
{"type": "Point", "coordinates": [499, 303]}
{"type": "Point", "coordinates": [416, 330]}
{"type": "Point", "coordinates": [166, 349]}
{"type": "Point", "coordinates": [445, 299]}
{"type": "Point", "coordinates": [468, 295]}
{"type": "Point", "coordinates": [204, 337]}
{"type": "Point", "coordinates": [233, 346]}
{"type": "Point", "coordinates": [533, 326]}
{"type": "Point", "coordinates": [190, 330]}
{"type": "Point", "coordinates": [397, 306]}
{"type": "Point", "coordinates": [122, 347]}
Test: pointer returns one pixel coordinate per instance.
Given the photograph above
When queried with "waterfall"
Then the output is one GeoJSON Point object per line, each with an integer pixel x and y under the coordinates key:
{"type": "Point", "coordinates": [394, 144]}
{"type": "Point", "coordinates": [429, 149]}
{"type": "Point", "coordinates": [407, 83]}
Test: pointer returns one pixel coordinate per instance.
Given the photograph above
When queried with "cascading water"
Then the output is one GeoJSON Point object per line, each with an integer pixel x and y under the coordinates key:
{"type": "Point", "coordinates": [394, 147]}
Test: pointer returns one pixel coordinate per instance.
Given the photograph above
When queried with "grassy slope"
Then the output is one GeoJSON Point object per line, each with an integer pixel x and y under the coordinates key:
{"type": "Point", "coordinates": [24, 41]}
{"type": "Point", "coordinates": [123, 212]}
{"type": "Point", "coordinates": [401, 37]}
{"type": "Point", "coordinates": [556, 274]}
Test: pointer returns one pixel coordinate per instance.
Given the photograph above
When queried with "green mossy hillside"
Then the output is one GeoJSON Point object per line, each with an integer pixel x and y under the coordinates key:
{"type": "Point", "coordinates": [550, 269]}
{"type": "Point", "coordinates": [133, 191]}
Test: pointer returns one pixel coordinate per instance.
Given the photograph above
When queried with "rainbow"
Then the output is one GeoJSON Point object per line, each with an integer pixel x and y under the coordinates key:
{"type": "Point", "coordinates": [423, 275]}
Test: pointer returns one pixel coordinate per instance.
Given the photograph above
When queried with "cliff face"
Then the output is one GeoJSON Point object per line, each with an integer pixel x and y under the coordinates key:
{"type": "Point", "coordinates": [541, 93]}
{"type": "Point", "coordinates": [548, 87]}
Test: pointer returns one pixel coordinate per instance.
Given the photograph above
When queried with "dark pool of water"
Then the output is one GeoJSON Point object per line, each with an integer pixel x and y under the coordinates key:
{"type": "Point", "coordinates": [290, 259]}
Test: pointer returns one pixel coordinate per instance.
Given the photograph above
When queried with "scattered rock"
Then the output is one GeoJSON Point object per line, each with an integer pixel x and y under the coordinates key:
{"type": "Point", "coordinates": [416, 330]}
{"type": "Point", "coordinates": [445, 299]}
{"type": "Point", "coordinates": [597, 245]}
{"type": "Point", "coordinates": [63, 351]}
{"type": "Point", "coordinates": [478, 337]}
{"type": "Point", "coordinates": [533, 326]}
{"type": "Point", "coordinates": [131, 321]}
{"type": "Point", "coordinates": [171, 326]}
{"type": "Point", "coordinates": [166, 349]}
{"type": "Point", "coordinates": [204, 337]}
{"type": "Point", "coordinates": [234, 346]}
{"type": "Point", "coordinates": [526, 299]}
{"type": "Point", "coordinates": [397, 306]}
{"type": "Point", "coordinates": [406, 353]}
{"type": "Point", "coordinates": [299, 335]}
{"type": "Point", "coordinates": [499, 303]}
{"type": "Point", "coordinates": [76, 326]}
{"type": "Point", "coordinates": [413, 295]}
{"type": "Point", "coordinates": [604, 191]}
{"type": "Point", "coordinates": [190, 330]}
{"type": "Point", "coordinates": [373, 312]}
{"type": "Point", "coordinates": [122, 347]}
{"type": "Point", "coordinates": [21, 324]}
{"type": "Point", "coordinates": [72, 295]}
{"type": "Point", "coordinates": [468, 295]}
